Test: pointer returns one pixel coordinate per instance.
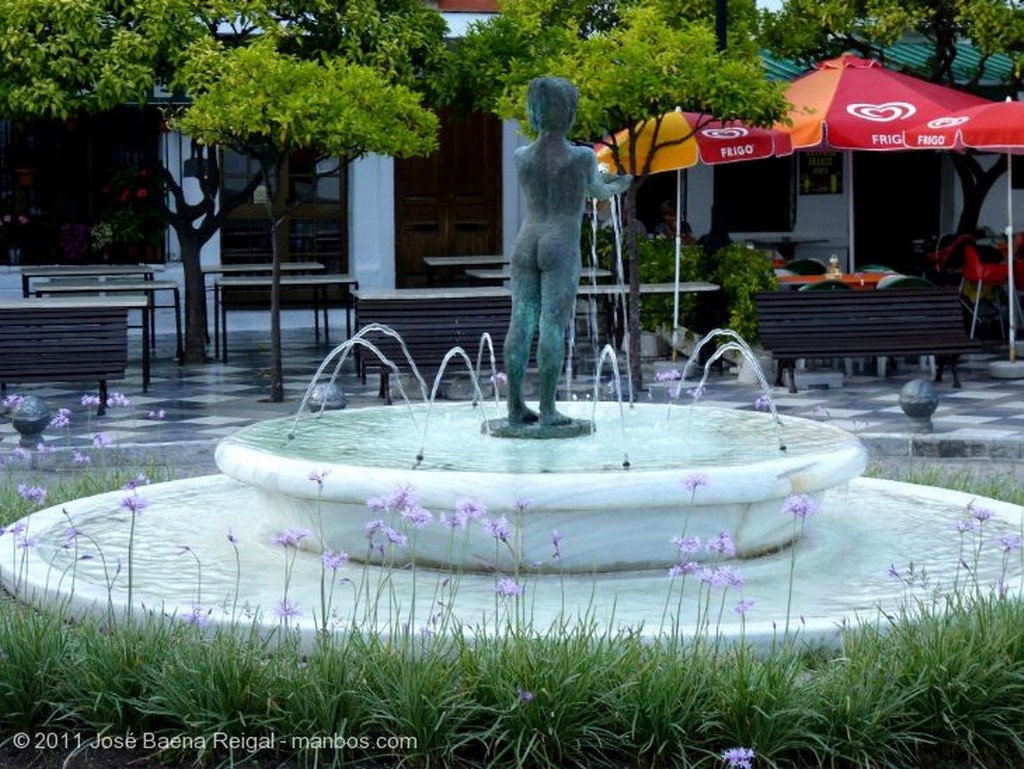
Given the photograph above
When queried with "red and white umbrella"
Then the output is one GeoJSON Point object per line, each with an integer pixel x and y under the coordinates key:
{"type": "Point", "coordinates": [995, 126]}
{"type": "Point", "coordinates": [679, 140]}
{"type": "Point", "coordinates": [851, 103]}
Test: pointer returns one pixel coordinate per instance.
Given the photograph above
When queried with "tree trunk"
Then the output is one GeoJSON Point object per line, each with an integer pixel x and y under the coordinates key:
{"type": "Point", "coordinates": [975, 183]}
{"type": "Point", "coordinates": [196, 322]}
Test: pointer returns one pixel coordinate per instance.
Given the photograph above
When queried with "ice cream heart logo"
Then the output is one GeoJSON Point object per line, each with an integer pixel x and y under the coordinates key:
{"type": "Point", "coordinates": [947, 122]}
{"type": "Point", "coordinates": [882, 113]}
{"type": "Point", "coordinates": [727, 133]}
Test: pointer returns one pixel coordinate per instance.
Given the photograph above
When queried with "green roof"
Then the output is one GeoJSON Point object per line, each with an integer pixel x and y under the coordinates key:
{"type": "Point", "coordinates": [913, 55]}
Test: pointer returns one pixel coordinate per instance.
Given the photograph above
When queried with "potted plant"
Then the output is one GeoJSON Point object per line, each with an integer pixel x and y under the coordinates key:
{"type": "Point", "coordinates": [133, 225]}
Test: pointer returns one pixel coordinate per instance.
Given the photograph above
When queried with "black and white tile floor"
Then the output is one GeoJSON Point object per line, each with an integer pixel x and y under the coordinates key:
{"type": "Point", "coordinates": [206, 402]}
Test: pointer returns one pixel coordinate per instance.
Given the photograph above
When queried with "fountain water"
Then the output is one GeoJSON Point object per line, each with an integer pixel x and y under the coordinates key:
{"type": "Point", "coordinates": [566, 528]}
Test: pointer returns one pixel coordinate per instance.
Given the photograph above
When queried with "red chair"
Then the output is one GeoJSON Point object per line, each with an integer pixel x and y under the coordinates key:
{"type": "Point", "coordinates": [982, 274]}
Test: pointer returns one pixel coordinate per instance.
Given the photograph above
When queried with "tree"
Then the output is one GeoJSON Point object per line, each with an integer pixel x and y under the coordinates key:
{"type": "Point", "coordinates": [267, 104]}
{"type": "Point", "coordinates": [88, 56]}
{"type": "Point", "coordinates": [631, 64]}
{"type": "Point", "coordinates": [810, 30]}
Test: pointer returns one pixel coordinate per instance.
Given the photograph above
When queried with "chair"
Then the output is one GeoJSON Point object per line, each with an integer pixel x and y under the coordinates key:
{"type": "Point", "coordinates": [805, 267]}
{"type": "Point", "coordinates": [826, 285]}
{"type": "Point", "coordinates": [903, 281]}
{"type": "Point", "coordinates": [875, 268]}
{"type": "Point", "coordinates": [979, 274]}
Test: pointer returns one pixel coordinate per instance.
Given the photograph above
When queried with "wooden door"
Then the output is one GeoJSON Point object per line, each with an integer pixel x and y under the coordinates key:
{"type": "Point", "coordinates": [450, 202]}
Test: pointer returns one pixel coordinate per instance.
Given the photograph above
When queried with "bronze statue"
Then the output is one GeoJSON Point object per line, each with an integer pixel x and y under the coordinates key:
{"type": "Point", "coordinates": [557, 178]}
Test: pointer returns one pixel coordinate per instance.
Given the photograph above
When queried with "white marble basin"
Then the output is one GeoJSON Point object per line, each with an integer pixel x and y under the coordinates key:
{"type": "Point", "coordinates": [691, 471]}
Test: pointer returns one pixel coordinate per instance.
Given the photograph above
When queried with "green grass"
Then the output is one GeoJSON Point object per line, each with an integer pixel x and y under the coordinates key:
{"type": "Point", "coordinates": [940, 685]}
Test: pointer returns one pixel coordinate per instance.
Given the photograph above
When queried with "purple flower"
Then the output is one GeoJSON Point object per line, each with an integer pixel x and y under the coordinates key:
{"type": "Point", "coordinates": [61, 419]}
{"type": "Point", "coordinates": [20, 452]}
{"type": "Point", "coordinates": [688, 545]}
{"type": "Point", "coordinates": [334, 559]}
{"type": "Point", "coordinates": [500, 377]}
{"type": "Point", "coordinates": [90, 400]}
{"type": "Point", "coordinates": [499, 528]}
{"type": "Point", "coordinates": [34, 494]}
{"type": "Point", "coordinates": [80, 458]}
{"type": "Point", "coordinates": [418, 516]}
{"type": "Point", "coordinates": [964, 525]}
{"type": "Point", "coordinates": [12, 401]}
{"type": "Point", "coordinates": [693, 481]}
{"type": "Point", "coordinates": [371, 528]}
{"type": "Point", "coordinates": [1008, 542]}
{"type": "Point", "coordinates": [668, 375]}
{"type": "Point", "coordinates": [454, 520]}
{"type": "Point", "coordinates": [682, 569]}
{"type": "Point", "coordinates": [232, 538]}
{"type": "Point", "coordinates": [197, 616]}
{"type": "Point", "coordinates": [978, 512]}
{"type": "Point", "coordinates": [377, 504]}
{"type": "Point", "coordinates": [395, 537]}
{"type": "Point", "coordinates": [892, 572]}
{"type": "Point", "coordinates": [158, 414]}
{"type": "Point", "coordinates": [134, 483]}
{"type": "Point", "coordinates": [742, 605]}
{"type": "Point", "coordinates": [287, 609]}
{"type": "Point", "coordinates": [556, 540]}
{"type": "Point", "coordinates": [401, 497]}
{"type": "Point", "coordinates": [470, 508]}
{"type": "Point", "coordinates": [134, 504]}
{"type": "Point", "coordinates": [762, 403]}
{"type": "Point", "coordinates": [101, 440]}
{"type": "Point", "coordinates": [290, 537]}
{"type": "Point", "coordinates": [800, 505]}
{"type": "Point", "coordinates": [738, 758]}
{"type": "Point", "coordinates": [508, 588]}
{"type": "Point", "coordinates": [524, 696]}
{"type": "Point", "coordinates": [696, 393]}
{"type": "Point", "coordinates": [318, 476]}
{"type": "Point", "coordinates": [118, 399]}
{"type": "Point", "coordinates": [722, 544]}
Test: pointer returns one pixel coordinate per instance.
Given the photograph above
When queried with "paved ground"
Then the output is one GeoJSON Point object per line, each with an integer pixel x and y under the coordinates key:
{"type": "Point", "coordinates": [187, 409]}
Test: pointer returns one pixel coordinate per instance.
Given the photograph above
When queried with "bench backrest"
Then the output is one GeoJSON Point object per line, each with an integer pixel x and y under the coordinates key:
{"type": "Point", "coordinates": [42, 344]}
{"type": "Point", "coordinates": [431, 327]}
{"type": "Point", "coordinates": [924, 320]}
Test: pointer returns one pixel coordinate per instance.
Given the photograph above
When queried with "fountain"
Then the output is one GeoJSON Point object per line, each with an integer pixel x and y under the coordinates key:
{"type": "Point", "coordinates": [593, 525]}
{"type": "Point", "coordinates": [414, 512]}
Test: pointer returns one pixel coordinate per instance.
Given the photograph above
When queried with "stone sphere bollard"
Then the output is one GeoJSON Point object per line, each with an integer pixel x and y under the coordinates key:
{"type": "Point", "coordinates": [30, 417]}
{"type": "Point", "coordinates": [326, 396]}
{"type": "Point", "coordinates": [918, 399]}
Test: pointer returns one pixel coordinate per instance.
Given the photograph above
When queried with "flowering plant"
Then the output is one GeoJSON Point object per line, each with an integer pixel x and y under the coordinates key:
{"type": "Point", "coordinates": [130, 211]}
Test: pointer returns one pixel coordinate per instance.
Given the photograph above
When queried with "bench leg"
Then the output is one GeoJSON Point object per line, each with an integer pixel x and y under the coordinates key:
{"type": "Point", "coordinates": [101, 409]}
{"type": "Point", "coordinates": [385, 386]}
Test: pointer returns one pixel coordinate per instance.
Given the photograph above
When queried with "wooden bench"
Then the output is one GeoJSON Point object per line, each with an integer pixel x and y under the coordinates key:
{"type": "Point", "coordinates": [431, 322]}
{"type": "Point", "coordinates": [56, 341]}
{"type": "Point", "coordinates": [844, 324]}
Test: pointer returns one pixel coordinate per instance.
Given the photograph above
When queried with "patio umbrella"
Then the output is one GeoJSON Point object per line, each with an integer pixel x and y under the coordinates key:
{"type": "Point", "coordinates": [995, 126]}
{"type": "Point", "coordinates": [679, 140]}
{"type": "Point", "coordinates": [851, 103]}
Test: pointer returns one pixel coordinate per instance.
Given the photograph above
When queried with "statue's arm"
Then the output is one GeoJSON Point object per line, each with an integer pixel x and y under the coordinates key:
{"type": "Point", "coordinates": [601, 185]}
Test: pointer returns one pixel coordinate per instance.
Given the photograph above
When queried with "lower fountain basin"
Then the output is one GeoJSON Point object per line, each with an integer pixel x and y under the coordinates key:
{"type": "Point", "coordinates": [649, 473]}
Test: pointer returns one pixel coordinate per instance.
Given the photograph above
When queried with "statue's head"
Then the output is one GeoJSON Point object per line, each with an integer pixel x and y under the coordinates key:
{"type": "Point", "coordinates": [551, 104]}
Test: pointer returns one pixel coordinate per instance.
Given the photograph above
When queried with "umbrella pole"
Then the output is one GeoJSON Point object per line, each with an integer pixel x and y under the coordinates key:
{"type": "Point", "coordinates": [675, 301]}
{"type": "Point", "coordinates": [849, 209]}
{"type": "Point", "coordinates": [1009, 258]}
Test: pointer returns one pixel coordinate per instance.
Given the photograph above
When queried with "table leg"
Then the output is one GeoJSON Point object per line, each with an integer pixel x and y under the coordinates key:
{"type": "Point", "coordinates": [224, 330]}
{"type": "Point", "coordinates": [146, 328]}
{"type": "Point", "coordinates": [216, 319]}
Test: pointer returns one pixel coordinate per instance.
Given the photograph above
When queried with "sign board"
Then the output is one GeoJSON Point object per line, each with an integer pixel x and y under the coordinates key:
{"type": "Point", "coordinates": [821, 173]}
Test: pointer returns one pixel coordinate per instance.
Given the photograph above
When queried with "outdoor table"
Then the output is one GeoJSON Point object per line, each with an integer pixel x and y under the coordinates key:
{"type": "Point", "coordinates": [97, 271]}
{"type": "Point", "coordinates": [435, 263]}
{"type": "Point", "coordinates": [856, 280]}
{"type": "Point", "coordinates": [505, 273]}
{"type": "Point", "coordinates": [318, 283]}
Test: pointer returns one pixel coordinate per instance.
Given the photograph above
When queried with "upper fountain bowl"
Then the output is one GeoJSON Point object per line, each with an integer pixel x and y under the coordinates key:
{"type": "Point", "coordinates": [616, 497]}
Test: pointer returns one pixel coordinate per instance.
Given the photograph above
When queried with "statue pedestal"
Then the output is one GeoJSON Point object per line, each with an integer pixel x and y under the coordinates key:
{"type": "Point", "coordinates": [502, 428]}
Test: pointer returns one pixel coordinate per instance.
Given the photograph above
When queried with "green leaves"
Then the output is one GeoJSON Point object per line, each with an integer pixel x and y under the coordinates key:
{"type": "Point", "coordinates": [257, 95]}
